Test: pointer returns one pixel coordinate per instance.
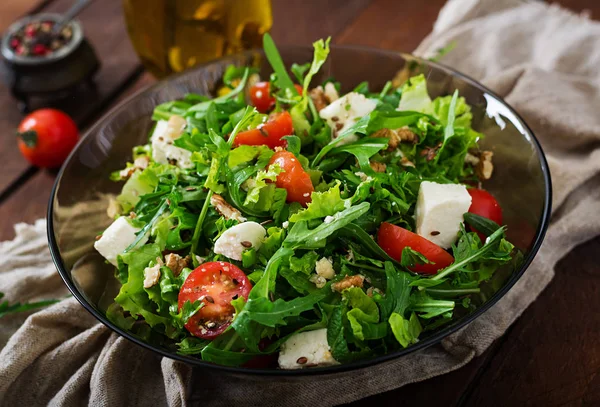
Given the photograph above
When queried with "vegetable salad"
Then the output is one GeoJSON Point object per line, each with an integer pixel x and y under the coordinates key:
{"type": "Point", "coordinates": [286, 224]}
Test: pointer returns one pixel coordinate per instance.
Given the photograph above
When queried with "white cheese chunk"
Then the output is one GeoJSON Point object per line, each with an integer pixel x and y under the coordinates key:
{"type": "Point", "coordinates": [163, 150]}
{"type": "Point", "coordinates": [345, 112]}
{"type": "Point", "coordinates": [306, 349]}
{"type": "Point", "coordinates": [238, 238]}
{"type": "Point", "coordinates": [331, 92]}
{"type": "Point", "coordinates": [324, 268]}
{"type": "Point", "coordinates": [116, 238]}
{"type": "Point", "coordinates": [439, 211]}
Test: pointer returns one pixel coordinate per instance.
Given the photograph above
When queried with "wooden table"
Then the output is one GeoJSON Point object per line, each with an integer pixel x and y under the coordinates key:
{"type": "Point", "coordinates": [549, 357]}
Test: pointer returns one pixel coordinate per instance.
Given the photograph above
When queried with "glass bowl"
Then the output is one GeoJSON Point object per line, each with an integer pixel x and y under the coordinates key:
{"type": "Point", "coordinates": [77, 208]}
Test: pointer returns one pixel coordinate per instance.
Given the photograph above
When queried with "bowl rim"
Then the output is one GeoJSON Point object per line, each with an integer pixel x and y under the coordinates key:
{"type": "Point", "coordinates": [429, 341]}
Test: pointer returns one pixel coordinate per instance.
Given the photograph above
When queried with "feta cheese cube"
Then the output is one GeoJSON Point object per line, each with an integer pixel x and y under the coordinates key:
{"type": "Point", "coordinates": [345, 112]}
{"type": "Point", "coordinates": [116, 238]}
{"type": "Point", "coordinates": [238, 238]}
{"type": "Point", "coordinates": [306, 349]}
{"type": "Point", "coordinates": [163, 150]}
{"type": "Point", "coordinates": [439, 211]}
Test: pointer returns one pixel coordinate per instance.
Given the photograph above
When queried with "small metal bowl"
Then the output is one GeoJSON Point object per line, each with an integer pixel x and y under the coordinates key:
{"type": "Point", "coordinates": [50, 76]}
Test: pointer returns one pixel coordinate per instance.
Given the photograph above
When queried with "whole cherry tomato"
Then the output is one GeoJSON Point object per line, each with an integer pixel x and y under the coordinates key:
{"type": "Point", "coordinates": [46, 137]}
{"type": "Point", "coordinates": [260, 95]}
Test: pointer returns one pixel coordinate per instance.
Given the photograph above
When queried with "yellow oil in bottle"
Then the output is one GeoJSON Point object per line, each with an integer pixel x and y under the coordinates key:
{"type": "Point", "coordinates": [173, 35]}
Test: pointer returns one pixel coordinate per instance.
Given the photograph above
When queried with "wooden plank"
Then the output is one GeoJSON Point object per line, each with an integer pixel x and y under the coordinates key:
{"type": "Point", "coordinates": [104, 28]}
{"type": "Point", "coordinates": [398, 25]}
{"type": "Point", "coordinates": [301, 23]}
{"type": "Point", "coordinates": [27, 204]}
{"type": "Point", "coordinates": [552, 357]}
{"type": "Point", "coordinates": [11, 10]}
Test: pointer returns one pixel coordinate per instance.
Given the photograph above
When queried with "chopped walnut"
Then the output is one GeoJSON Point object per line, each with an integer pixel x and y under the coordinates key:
{"type": "Point", "coordinates": [396, 136]}
{"type": "Point", "coordinates": [347, 282]}
{"type": "Point", "coordinates": [430, 152]}
{"type": "Point", "coordinates": [223, 207]}
{"type": "Point", "coordinates": [175, 126]}
{"type": "Point", "coordinates": [373, 290]}
{"type": "Point", "coordinates": [278, 149]}
{"type": "Point", "coordinates": [377, 167]}
{"type": "Point", "coordinates": [318, 97]}
{"type": "Point", "coordinates": [472, 159]}
{"type": "Point", "coordinates": [151, 275]}
{"type": "Point", "coordinates": [176, 263]}
{"type": "Point", "coordinates": [485, 168]}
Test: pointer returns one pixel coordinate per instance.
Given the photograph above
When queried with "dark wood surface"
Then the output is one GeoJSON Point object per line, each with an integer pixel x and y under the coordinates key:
{"type": "Point", "coordinates": [549, 357]}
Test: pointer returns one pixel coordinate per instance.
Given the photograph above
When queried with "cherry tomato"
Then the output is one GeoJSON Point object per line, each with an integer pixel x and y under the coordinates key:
{"type": "Point", "coordinates": [484, 204]}
{"type": "Point", "coordinates": [393, 239]}
{"type": "Point", "coordinates": [293, 178]}
{"type": "Point", "coordinates": [260, 95]}
{"type": "Point", "coordinates": [269, 133]}
{"type": "Point", "coordinates": [46, 137]}
{"type": "Point", "coordinates": [216, 284]}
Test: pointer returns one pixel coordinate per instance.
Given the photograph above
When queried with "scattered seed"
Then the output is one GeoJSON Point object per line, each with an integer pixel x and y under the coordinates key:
{"type": "Point", "coordinates": [302, 360]}
{"type": "Point", "coordinates": [335, 119]}
{"type": "Point", "coordinates": [191, 188]}
{"type": "Point", "coordinates": [338, 126]}
{"type": "Point", "coordinates": [272, 296]}
{"type": "Point", "coordinates": [266, 222]}
{"type": "Point", "coordinates": [168, 202]}
{"type": "Point", "coordinates": [435, 233]}
{"type": "Point", "coordinates": [210, 299]}
{"type": "Point", "coordinates": [246, 243]}
{"type": "Point", "coordinates": [98, 237]}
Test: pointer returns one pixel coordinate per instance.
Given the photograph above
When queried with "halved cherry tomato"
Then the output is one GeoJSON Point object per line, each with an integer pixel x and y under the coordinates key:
{"type": "Point", "coordinates": [393, 239]}
{"type": "Point", "coordinates": [293, 178]}
{"type": "Point", "coordinates": [260, 95]}
{"type": "Point", "coordinates": [269, 133]}
{"type": "Point", "coordinates": [484, 204]}
{"type": "Point", "coordinates": [216, 284]}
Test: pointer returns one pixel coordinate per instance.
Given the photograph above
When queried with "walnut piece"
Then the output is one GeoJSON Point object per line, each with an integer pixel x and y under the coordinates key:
{"type": "Point", "coordinates": [318, 97]}
{"type": "Point", "coordinates": [485, 168]}
{"type": "Point", "coordinates": [151, 275]}
{"type": "Point", "coordinates": [347, 282]}
{"type": "Point", "coordinates": [396, 136]}
{"type": "Point", "coordinates": [176, 263]}
{"type": "Point", "coordinates": [226, 210]}
{"type": "Point", "coordinates": [377, 167]}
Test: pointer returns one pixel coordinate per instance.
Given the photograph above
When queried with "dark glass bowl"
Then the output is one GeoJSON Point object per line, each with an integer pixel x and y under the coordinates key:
{"type": "Point", "coordinates": [77, 209]}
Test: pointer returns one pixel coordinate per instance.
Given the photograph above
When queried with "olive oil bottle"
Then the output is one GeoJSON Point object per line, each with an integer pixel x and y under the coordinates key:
{"type": "Point", "coordinates": [173, 35]}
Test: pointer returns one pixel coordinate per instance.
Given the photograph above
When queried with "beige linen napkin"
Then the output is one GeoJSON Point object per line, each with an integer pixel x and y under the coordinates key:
{"type": "Point", "coordinates": [544, 60]}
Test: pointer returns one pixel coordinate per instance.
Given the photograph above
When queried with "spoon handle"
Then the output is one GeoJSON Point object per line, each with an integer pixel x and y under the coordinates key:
{"type": "Point", "coordinates": [70, 14]}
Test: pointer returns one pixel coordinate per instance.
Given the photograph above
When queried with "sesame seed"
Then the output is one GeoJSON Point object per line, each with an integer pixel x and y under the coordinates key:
{"type": "Point", "coordinates": [435, 233]}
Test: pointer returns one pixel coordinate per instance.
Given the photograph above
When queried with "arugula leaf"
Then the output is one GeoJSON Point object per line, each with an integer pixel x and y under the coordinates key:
{"type": "Point", "coordinates": [411, 258]}
{"type": "Point", "coordinates": [335, 333]}
{"type": "Point", "coordinates": [299, 71]}
{"type": "Point", "coordinates": [363, 149]}
{"type": "Point", "coordinates": [481, 224]}
{"type": "Point", "coordinates": [293, 144]}
{"type": "Point", "coordinates": [449, 128]}
{"type": "Point", "coordinates": [283, 80]}
{"type": "Point", "coordinates": [245, 154]}
{"type": "Point", "coordinates": [397, 291]}
{"type": "Point", "coordinates": [260, 195]}
{"type": "Point", "coordinates": [203, 106]}
{"type": "Point", "coordinates": [6, 309]}
{"type": "Point", "coordinates": [428, 307]}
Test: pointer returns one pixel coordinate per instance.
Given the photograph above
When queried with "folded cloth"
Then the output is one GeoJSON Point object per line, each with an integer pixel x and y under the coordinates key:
{"type": "Point", "coordinates": [544, 60]}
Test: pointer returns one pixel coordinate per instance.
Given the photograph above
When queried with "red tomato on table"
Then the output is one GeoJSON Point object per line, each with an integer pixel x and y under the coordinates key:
{"type": "Point", "coordinates": [393, 239]}
{"type": "Point", "coordinates": [293, 178]}
{"type": "Point", "coordinates": [216, 284]}
{"type": "Point", "coordinates": [46, 137]}
{"type": "Point", "coordinates": [484, 204]}
{"type": "Point", "coordinates": [260, 95]}
{"type": "Point", "coordinates": [269, 133]}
